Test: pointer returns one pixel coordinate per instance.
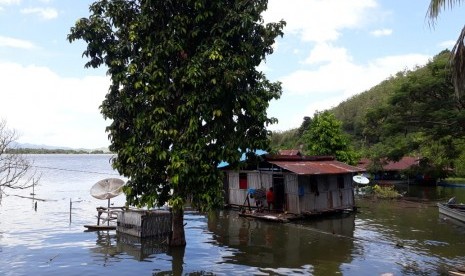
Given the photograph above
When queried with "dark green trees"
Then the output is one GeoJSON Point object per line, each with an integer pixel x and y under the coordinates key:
{"type": "Point", "coordinates": [324, 136]}
{"type": "Point", "coordinates": [185, 92]}
{"type": "Point", "coordinates": [422, 117]}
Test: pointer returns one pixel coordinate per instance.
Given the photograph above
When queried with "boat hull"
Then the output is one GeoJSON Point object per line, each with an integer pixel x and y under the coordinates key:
{"type": "Point", "coordinates": [456, 213]}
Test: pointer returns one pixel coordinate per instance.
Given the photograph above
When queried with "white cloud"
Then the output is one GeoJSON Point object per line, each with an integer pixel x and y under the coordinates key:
{"type": "Point", "coordinates": [48, 109]}
{"type": "Point", "coordinates": [449, 44]}
{"type": "Point", "coordinates": [381, 32]}
{"type": "Point", "coordinates": [346, 77]}
{"type": "Point", "coordinates": [9, 2]}
{"type": "Point", "coordinates": [44, 13]}
{"type": "Point", "coordinates": [15, 43]}
{"type": "Point", "coordinates": [329, 84]}
{"type": "Point", "coordinates": [320, 21]}
{"type": "Point", "coordinates": [324, 52]}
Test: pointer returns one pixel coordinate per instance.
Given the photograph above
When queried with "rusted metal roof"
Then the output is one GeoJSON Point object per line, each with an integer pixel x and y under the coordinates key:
{"type": "Point", "coordinates": [405, 163]}
{"type": "Point", "coordinates": [316, 167]}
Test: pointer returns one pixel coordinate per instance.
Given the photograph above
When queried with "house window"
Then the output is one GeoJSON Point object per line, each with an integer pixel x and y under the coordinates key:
{"type": "Point", "coordinates": [243, 181]}
{"type": "Point", "coordinates": [340, 181]}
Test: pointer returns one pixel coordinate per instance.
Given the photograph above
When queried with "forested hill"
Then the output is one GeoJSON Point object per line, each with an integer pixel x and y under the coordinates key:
{"type": "Point", "coordinates": [414, 113]}
{"type": "Point", "coordinates": [350, 112]}
{"type": "Point", "coordinates": [421, 89]}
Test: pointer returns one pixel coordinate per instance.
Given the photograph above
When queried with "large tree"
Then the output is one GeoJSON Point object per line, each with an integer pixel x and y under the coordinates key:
{"type": "Point", "coordinates": [324, 136]}
{"type": "Point", "coordinates": [185, 92]}
{"type": "Point", "coordinates": [457, 57]}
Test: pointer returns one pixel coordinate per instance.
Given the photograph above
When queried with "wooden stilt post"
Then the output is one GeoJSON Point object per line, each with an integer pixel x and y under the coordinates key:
{"type": "Point", "coordinates": [70, 208]}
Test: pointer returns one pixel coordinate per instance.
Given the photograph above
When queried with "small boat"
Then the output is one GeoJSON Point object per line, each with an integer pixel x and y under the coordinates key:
{"type": "Point", "coordinates": [453, 210]}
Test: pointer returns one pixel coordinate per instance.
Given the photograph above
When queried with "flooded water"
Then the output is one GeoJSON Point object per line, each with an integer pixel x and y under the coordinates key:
{"type": "Point", "coordinates": [384, 236]}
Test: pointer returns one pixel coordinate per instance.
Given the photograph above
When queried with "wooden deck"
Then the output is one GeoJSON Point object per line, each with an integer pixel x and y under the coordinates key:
{"type": "Point", "coordinates": [100, 227]}
{"type": "Point", "coordinates": [106, 218]}
{"type": "Point", "coordinates": [270, 216]}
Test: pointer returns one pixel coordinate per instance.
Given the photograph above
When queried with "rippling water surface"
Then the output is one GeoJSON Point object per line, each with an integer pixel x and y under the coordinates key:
{"type": "Point", "coordinates": [398, 237]}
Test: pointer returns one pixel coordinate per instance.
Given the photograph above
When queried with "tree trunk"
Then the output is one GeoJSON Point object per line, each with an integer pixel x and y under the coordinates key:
{"type": "Point", "coordinates": [177, 253]}
{"type": "Point", "coordinates": [178, 237]}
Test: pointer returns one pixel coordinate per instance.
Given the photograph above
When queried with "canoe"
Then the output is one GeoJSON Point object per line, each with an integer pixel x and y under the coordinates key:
{"type": "Point", "coordinates": [456, 211]}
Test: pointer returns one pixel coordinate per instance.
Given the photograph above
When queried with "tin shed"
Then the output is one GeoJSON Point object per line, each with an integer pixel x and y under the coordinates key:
{"type": "Point", "coordinates": [302, 184]}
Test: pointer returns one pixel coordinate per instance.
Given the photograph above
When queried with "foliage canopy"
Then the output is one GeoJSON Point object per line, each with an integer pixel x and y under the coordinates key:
{"type": "Point", "coordinates": [324, 136]}
{"type": "Point", "coordinates": [185, 92]}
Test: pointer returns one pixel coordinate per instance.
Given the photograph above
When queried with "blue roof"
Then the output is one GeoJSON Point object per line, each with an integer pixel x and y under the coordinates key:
{"type": "Point", "coordinates": [257, 152]}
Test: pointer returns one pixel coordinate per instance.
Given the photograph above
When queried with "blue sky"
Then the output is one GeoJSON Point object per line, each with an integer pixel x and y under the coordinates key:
{"type": "Point", "coordinates": [331, 51]}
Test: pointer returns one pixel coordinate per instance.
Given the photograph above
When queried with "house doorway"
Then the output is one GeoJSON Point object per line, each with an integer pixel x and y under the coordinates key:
{"type": "Point", "coordinates": [278, 188]}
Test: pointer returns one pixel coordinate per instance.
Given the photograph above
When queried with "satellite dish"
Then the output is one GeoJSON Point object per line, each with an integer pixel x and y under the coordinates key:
{"type": "Point", "coordinates": [360, 179]}
{"type": "Point", "coordinates": [107, 188]}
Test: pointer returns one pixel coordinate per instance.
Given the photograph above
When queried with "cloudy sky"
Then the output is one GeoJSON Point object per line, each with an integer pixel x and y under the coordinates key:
{"type": "Point", "coordinates": [332, 50]}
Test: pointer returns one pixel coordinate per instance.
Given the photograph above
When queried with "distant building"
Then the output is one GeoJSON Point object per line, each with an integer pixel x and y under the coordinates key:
{"type": "Point", "coordinates": [394, 172]}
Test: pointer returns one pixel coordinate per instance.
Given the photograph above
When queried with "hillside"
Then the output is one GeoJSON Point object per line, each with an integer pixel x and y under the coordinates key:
{"type": "Point", "coordinates": [353, 111]}
{"type": "Point", "coordinates": [350, 112]}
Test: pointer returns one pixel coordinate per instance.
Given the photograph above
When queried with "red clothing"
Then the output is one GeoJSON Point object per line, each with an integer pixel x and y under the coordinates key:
{"type": "Point", "coordinates": [269, 196]}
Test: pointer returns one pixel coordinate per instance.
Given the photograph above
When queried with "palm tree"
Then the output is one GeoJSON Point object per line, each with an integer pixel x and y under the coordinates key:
{"type": "Point", "coordinates": [457, 58]}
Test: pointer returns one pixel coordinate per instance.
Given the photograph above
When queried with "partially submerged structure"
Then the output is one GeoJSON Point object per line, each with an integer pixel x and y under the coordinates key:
{"type": "Point", "coordinates": [303, 185]}
{"type": "Point", "coordinates": [407, 170]}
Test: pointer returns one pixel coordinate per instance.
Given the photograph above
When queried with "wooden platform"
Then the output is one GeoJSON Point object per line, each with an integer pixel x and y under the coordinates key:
{"type": "Point", "coordinates": [270, 216]}
{"type": "Point", "coordinates": [100, 227]}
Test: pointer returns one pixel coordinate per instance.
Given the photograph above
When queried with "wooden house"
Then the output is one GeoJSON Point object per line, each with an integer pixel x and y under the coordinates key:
{"type": "Point", "coordinates": [302, 185]}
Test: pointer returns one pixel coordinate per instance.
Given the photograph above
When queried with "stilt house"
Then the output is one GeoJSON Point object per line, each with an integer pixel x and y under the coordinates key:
{"type": "Point", "coordinates": [302, 184]}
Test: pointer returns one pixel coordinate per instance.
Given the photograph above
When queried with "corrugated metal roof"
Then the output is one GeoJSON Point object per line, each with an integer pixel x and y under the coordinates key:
{"type": "Point", "coordinates": [403, 164]}
{"type": "Point", "coordinates": [316, 167]}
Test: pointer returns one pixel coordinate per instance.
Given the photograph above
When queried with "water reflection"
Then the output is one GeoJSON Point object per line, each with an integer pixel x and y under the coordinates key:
{"type": "Point", "coordinates": [142, 248]}
{"type": "Point", "coordinates": [274, 247]}
{"type": "Point", "coordinates": [110, 244]}
{"type": "Point", "coordinates": [432, 193]}
{"type": "Point", "coordinates": [106, 250]}
{"type": "Point", "coordinates": [427, 243]}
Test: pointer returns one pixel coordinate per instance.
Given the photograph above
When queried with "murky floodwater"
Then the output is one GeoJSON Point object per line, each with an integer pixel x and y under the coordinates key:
{"type": "Point", "coordinates": [384, 236]}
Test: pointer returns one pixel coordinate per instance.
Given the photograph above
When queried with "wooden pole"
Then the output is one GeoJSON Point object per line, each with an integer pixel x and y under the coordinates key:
{"type": "Point", "coordinates": [108, 214]}
{"type": "Point", "coordinates": [70, 208]}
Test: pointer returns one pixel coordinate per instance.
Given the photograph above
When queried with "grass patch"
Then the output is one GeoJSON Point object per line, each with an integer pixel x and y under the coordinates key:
{"type": "Point", "coordinates": [386, 192]}
{"type": "Point", "coordinates": [455, 180]}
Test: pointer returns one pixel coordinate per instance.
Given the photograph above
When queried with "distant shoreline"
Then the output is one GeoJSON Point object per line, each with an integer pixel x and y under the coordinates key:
{"type": "Point", "coordinates": [55, 151]}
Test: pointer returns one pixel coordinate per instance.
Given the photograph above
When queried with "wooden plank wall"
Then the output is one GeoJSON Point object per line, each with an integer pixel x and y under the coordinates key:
{"type": "Point", "coordinates": [329, 194]}
{"type": "Point", "coordinates": [143, 223]}
{"type": "Point", "coordinates": [255, 180]}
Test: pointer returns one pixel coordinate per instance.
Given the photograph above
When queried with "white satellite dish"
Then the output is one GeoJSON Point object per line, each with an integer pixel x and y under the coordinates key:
{"type": "Point", "coordinates": [107, 188]}
{"type": "Point", "coordinates": [360, 179]}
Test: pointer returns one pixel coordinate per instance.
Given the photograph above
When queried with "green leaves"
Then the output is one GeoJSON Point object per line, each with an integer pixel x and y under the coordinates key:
{"type": "Point", "coordinates": [185, 91]}
{"type": "Point", "coordinates": [324, 136]}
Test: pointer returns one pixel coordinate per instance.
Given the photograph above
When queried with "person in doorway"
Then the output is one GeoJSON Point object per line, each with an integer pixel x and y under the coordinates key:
{"type": "Point", "coordinates": [270, 198]}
